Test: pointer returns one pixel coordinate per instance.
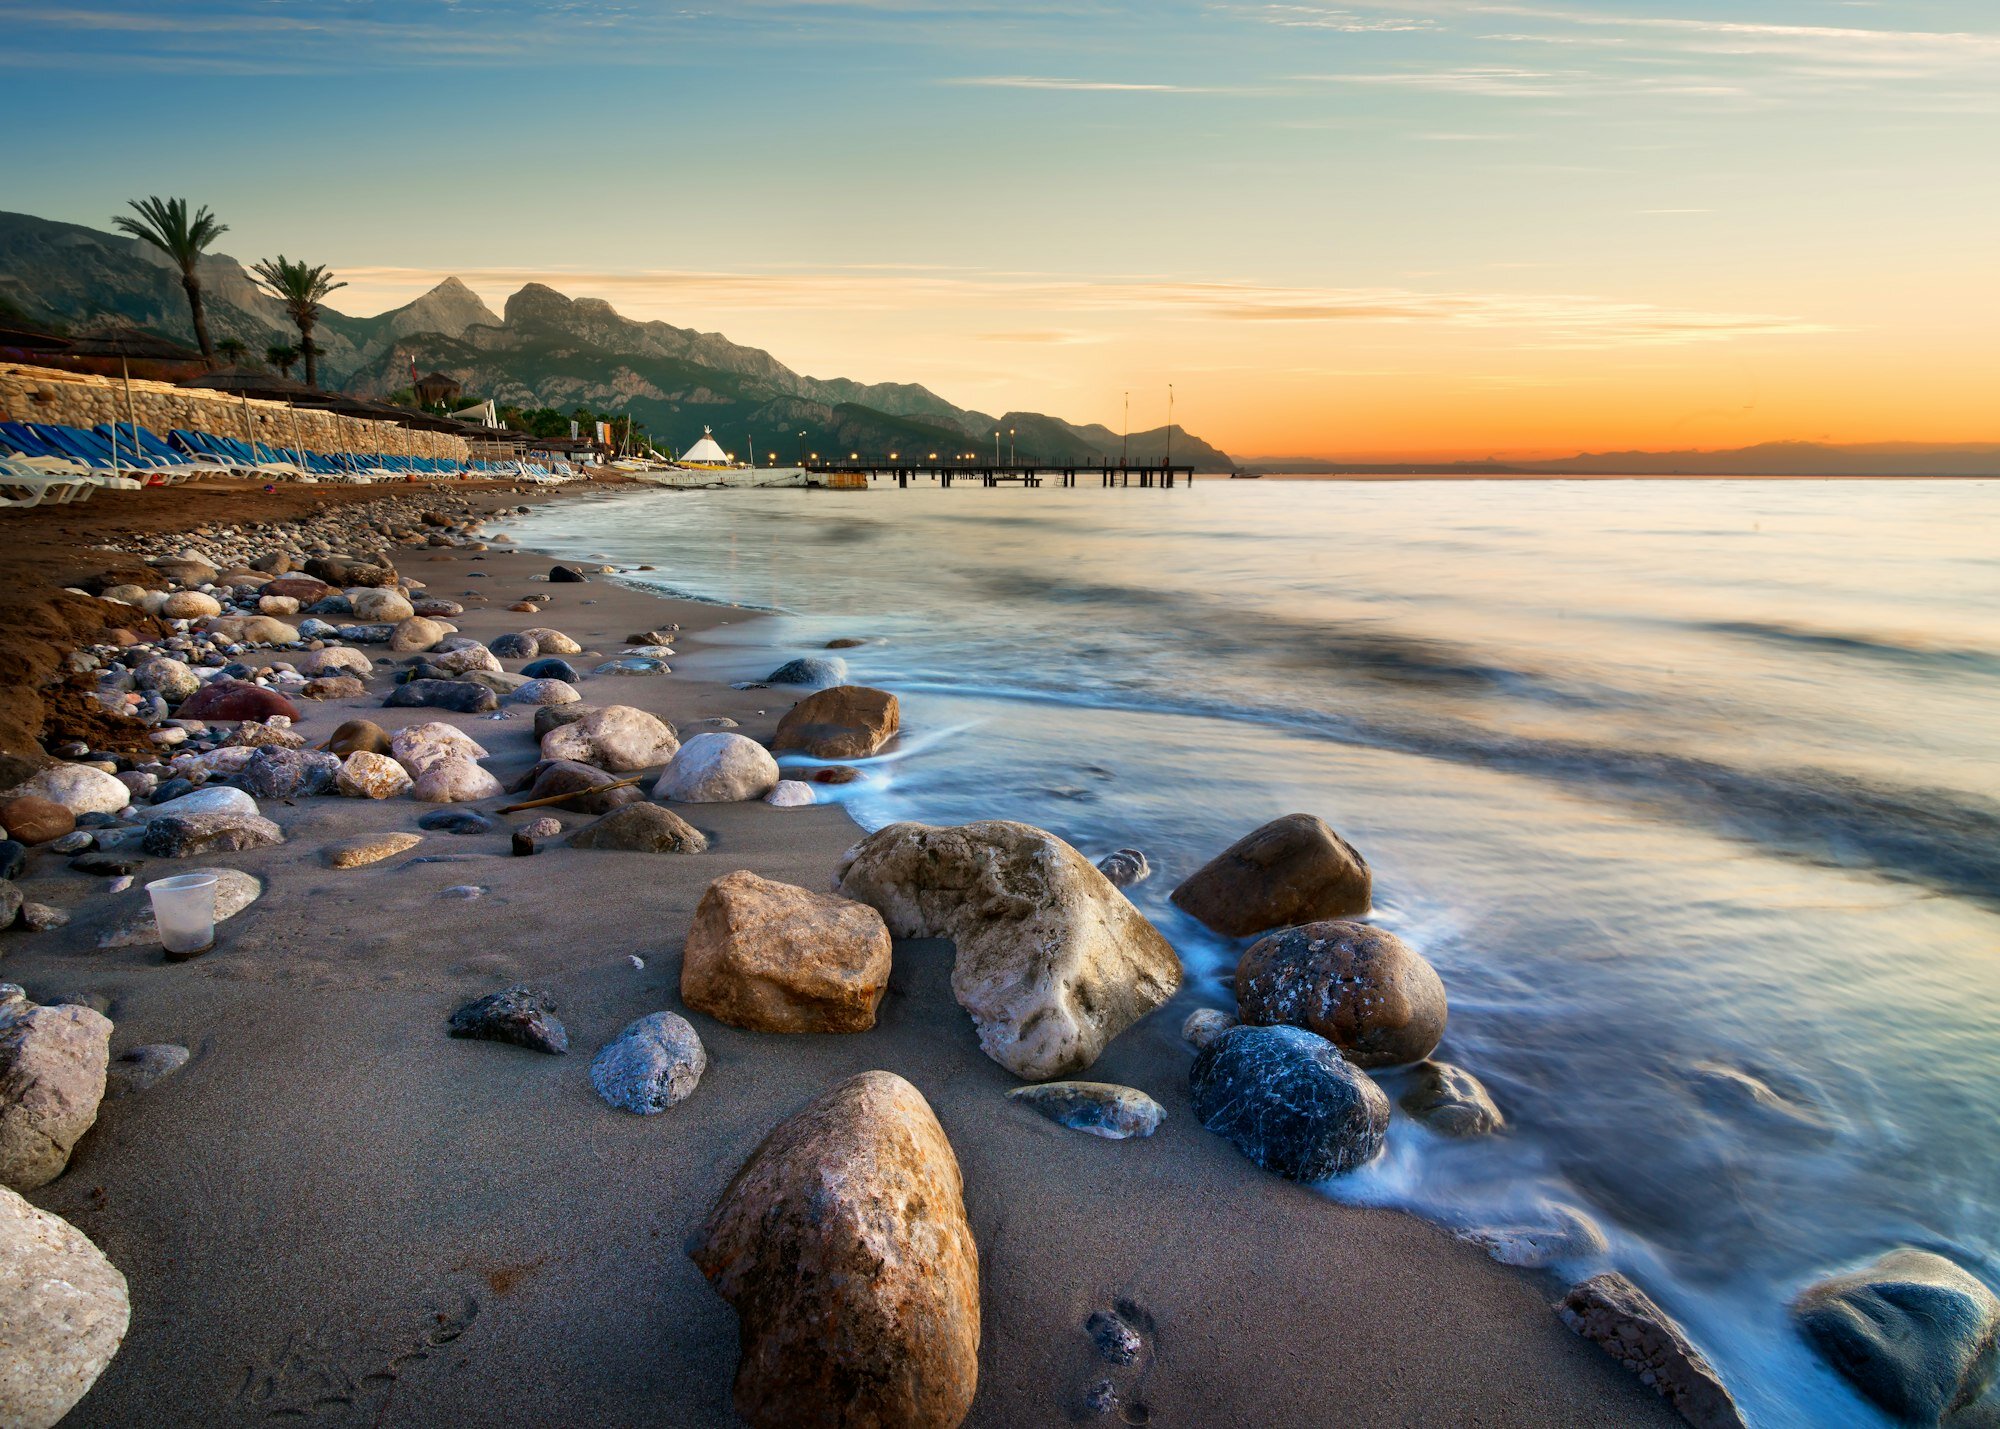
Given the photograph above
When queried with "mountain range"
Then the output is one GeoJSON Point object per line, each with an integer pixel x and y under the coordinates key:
{"type": "Point", "coordinates": [544, 350]}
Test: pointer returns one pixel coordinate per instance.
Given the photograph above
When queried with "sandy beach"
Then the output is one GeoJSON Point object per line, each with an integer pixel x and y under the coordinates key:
{"type": "Point", "coordinates": [335, 1212]}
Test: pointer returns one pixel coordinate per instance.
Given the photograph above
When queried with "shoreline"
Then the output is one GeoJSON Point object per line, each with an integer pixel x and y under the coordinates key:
{"type": "Point", "coordinates": [334, 1207]}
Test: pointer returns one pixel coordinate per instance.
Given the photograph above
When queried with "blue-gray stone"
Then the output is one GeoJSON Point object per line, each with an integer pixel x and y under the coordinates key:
{"type": "Point", "coordinates": [1099, 1108]}
{"type": "Point", "coordinates": [817, 671]}
{"type": "Point", "coordinates": [1289, 1101]}
{"type": "Point", "coordinates": [652, 1064]}
{"type": "Point", "coordinates": [1913, 1332]}
{"type": "Point", "coordinates": [514, 647]}
{"type": "Point", "coordinates": [458, 696]}
{"type": "Point", "coordinates": [522, 1015]}
{"type": "Point", "coordinates": [546, 669]}
{"type": "Point", "coordinates": [457, 821]}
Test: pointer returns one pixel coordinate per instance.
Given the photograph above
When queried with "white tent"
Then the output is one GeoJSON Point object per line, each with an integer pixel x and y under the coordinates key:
{"type": "Point", "coordinates": [705, 451]}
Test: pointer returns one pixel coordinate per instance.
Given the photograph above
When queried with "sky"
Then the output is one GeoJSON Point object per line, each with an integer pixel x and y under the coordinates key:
{"type": "Point", "coordinates": [1435, 228]}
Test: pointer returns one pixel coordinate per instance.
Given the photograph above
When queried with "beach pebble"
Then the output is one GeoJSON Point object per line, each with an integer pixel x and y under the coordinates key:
{"type": "Point", "coordinates": [653, 1064]}
{"type": "Point", "coordinates": [790, 794]}
{"type": "Point", "coordinates": [335, 660]}
{"type": "Point", "coordinates": [1125, 867]}
{"type": "Point", "coordinates": [544, 692]}
{"type": "Point", "coordinates": [52, 1065]}
{"type": "Point", "coordinates": [77, 787]}
{"type": "Point", "coordinates": [364, 849]}
{"type": "Point", "coordinates": [215, 799]}
{"type": "Point", "coordinates": [618, 738]}
{"type": "Point", "coordinates": [333, 687]}
{"type": "Point", "coordinates": [1622, 1320]}
{"type": "Point", "coordinates": [250, 630]}
{"type": "Point", "coordinates": [465, 892]}
{"type": "Point", "coordinates": [718, 769]}
{"type": "Point", "coordinates": [169, 677]}
{"type": "Point", "coordinates": [566, 575]}
{"type": "Point", "coordinates": [419, 746]}
{"type": "Point", "coordinates": [514, 646]}
{"type": "Point", "coordinates": [11, 901]}
{"type": "Point", "coordinates": [1564, 1235]}
{"type": "Point", "coordinates": [105, 865]}
{"type": "Point", "coordinates": [1914, 1332]}
{"type": "Point", "coordinates": [1450, 1101]}
{"type": "Point", "coordinates": [815, 671]}
{"type": "Point", "coordinates": [65, 1311]}
{"type": "Point", "coordinates": [582, 788]}
{"type": "Point", "coordinates": [277, 773]}
{"type": "Point", "coordinates": [381, 606]}
{"type": "Point", "coordinates": [1292, 870]}
{"type": "Point", "coordinates": [550, 669]}
{"type": "Point", "coordinates": [634, 665]}
{"type": "Point", "coordinates": [548, 717]}
{"type": "Point", "coordinates": [470, 658]}
{"type": "Point", "coordinates": [1204, 1025]}
{"type": "Point", "coordinates": [457, 821]}
{"type": "Point", "coordinates": [1098, 1108]}
{"type": "Point", "coordinates": [235, 890]}
{"type": "Point", "coordinates": [277, 606]}
{"type": "Point", "coordinates": [850, 1213]}
{"type": "Point", "coordinates": [770, 957]}
{"type": "Point", "coordinates": [436, 609]}
{"type": "Point", "coordinates": [847, 722]}
{"type": "Point", "coordinates": [454, 781]}
{"type": "Point", "coordinates": [186, 835]}
{"type": "Point", "coordinates": [1361, 987]}
{"type": "Point", "coordinates": [552, 642]}
{"type": "Point", "coordinates": [521, 1015]}
{"type": "Point", "coordinates": [258, 734]}
{"type": "Point", "coordinates": [138, 1068]}
{"type": "Point", "coordinates": [545, 827]}
{"type": "Point", "coordinates": [844, 642]}
{"type": "Point", "coordinates": [31, 819]}
{"type": "Point", "coordinates": [458, 696]}
{"type": "Point", "coordinates": [75, 842]}
{"type": "Point", "coordinates": [189, 605]}
{"type": "Point", "coordinates": [1288, 1101]}
{"type": "Point", "coordinates": [371, 776]}
{"type": "Point", "coordinates": [416, 633]}
{"type": "Point", "coordinates": [227, 699]}
{"type": "Point", "coordinates": [636, 828]}
{"type": "Point", "coordinates": [42, 918]}
{"type": "Point", "coordinates": [1052, 962]}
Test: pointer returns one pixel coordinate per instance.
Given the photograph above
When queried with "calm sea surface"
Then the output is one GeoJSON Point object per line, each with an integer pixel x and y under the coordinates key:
{"type": "Point", "coordinates": [1691, 791]}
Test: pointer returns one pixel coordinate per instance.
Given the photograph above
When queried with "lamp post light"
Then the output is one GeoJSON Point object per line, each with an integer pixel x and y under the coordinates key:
{"type": "Point", "coordinates": [1010, 446]}
{"type": "Point", "coordinates": [802, 448]}
{"type": "Point", "coordinates": [996, 446]}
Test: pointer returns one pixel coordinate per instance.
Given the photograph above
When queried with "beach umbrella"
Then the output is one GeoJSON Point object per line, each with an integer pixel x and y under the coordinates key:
{"type": "Point", "coordinates": [126, 344]}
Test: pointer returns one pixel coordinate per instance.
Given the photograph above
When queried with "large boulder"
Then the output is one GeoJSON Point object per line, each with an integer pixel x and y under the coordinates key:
{"type": "Point", "coordinates": [185, 835]}
{"type": "Point", "coordinates": [454, 781]}
{"type": "Point", "coordinates": [236, 699]}
{"type": "Point", "coordinates": [581, 787]}
{"type": "Point", "coordinates": [418, 746]}
{"type": "Point", "coordinates": [773, 958]}
{"type": "Point", "coordinates": [846, 722]}
{"type": "Point", "coordinates": [617, 737]}
{"type": "Point", "coordinates": [641, 828]}
{"type": "Point", "coordinates": [1362, 988]}
{"type": "Point", "coordinates": [77, 787]}
{"type": "Point", "coordinates": [1913, 1332]}
{"type": "Point", "coordinates": [1052, 962]}
{"type": "Point", "coordinates": [1622, 1320]}
{"type": "Point", "coordinates": [63, 1314]}
{"type": "Point", "coordinates": [717, 769]}
{"type": "Point", "coordinates": [52, 1066]}
{"type": "Point", "coordinates": [1292, 870]}
{"type": "Point", "coordinates": [843, 1245]}
{"type": "Point", "coordinates": [1289, 1101]}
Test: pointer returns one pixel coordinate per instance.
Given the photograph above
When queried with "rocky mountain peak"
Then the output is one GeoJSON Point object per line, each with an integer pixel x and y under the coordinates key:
{"type": "Point", "coordinates": [449, 308]}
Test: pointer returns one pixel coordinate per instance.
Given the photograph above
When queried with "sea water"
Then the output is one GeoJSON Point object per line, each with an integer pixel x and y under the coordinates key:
{"type": "Point", "coordinates": [1690, 791]}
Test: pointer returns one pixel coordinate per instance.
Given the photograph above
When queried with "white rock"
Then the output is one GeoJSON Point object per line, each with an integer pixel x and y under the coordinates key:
{"type": "Point", "coordinates": [718, 769]}
{"type": "Point", "coordinates": [468, 658]}
{"type": "Point", "coordinates": [63, 1314]}
{"type": "Point", "coordinates": [454, 781]}
{"type": "Point", "coordinates": [618, 738]}
{"type": "Point", "coordinates": [52, 1065]}
{"type": "Point", "coordinates": [279, 605]}
{"type": "Point", "coordinates": [791, 794]}
{"type": "Point", "coordinates": [335, 660]}
{"type": "Point", "coordinates": [544, 692]}
{"type": "Point", "coordinates": [218, 799]}
{"type": "Point", "coordinates": [552, 642]}
{"type": "Point", "coordinates": [78, 788]}
{"type": "Point", "coordinates": [379, 606]}
{"type": "Point", "coordinates": [189, 605]}
{"type": "Point", "coordinates": [371, 776]}
{"type": "Point", "coordinates": [419, 746]}
{"type": "Point", "coordinates": [174, 679]}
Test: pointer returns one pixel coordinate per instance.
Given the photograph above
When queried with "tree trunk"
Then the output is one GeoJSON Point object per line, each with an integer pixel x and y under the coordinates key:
{"type": "Point", "coordinates": [310, 354]}
{"type": "Point", "coordinates": [193, 286]}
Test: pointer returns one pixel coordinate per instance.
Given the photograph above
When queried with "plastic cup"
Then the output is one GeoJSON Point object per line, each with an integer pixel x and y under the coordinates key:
{"type": "Point", "coordinates": [184, 907]}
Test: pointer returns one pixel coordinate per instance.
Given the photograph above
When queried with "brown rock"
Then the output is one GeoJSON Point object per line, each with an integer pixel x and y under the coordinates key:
{"type": "Point", "coordinates": [365, 849]}
{"type": "Point", "coordinates": [359, 734]}
{"type": "Point", "coordinates": [773, 958]}
{"type": "Point", "coordinates": [1451, 1101]}
{"type": "Point", "coordinates": [1292, 870]}
{"type": "Point", "coordinates": [303, 589]}
{"type": "Point", "coordinates": [236, 699]}
{"type": "Point", "coordinates": [1363, 989]}
{"type": "Point", "coordinates": [35, 821]}
{"type": "Point", "coordinates": [585, 786]}
{"type": "Point", "coordinates": [844, 1247]}
{"type": "Point", "coordinates": [334, 687]}
{"type": "Point", "coordinates": [845, 722]}
{"type": "Point", "coordinates": [1622, 1320]}
{"type": "Point", "coordinates": [636, 828]}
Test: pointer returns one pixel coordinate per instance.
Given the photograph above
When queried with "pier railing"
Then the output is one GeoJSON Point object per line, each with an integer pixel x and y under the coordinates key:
{"type": "Point", "coordinates": [944, 473]}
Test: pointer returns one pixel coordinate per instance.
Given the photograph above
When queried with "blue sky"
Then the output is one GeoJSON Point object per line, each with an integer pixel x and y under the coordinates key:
{"type": "Point", "coordinates": [1400, 225]}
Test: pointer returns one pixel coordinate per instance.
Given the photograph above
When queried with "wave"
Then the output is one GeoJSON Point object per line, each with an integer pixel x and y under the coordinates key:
{"type": "Point", "coordinates": [1911, 653]}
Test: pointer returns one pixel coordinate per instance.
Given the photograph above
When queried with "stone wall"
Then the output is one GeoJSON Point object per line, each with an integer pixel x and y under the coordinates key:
{"type": "Point", "coordinates": [77, 399]}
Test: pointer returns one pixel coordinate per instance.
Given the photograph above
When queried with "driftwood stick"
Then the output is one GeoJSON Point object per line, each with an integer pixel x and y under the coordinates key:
{"type": "Point", "coordinates": [573, 794]}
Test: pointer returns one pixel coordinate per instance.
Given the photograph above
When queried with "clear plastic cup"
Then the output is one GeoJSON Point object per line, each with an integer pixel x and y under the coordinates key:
{"type": "Point", "coordinates": [184, 907]}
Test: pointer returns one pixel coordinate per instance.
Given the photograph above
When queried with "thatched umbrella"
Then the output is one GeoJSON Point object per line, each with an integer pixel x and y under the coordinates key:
{"type": "Point", "coordinates": [127, 344]}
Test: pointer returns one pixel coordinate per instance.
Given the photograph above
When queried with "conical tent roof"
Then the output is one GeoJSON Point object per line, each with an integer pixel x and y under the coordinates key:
{"type": "Point", "coordinates": [705, 450]}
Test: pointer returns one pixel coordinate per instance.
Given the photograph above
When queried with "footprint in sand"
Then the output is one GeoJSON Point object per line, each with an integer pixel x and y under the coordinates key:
{"type": "Point", "coordinates": [1121, 1344]}
{"type": "Point", "coordinates": [344, 1372]}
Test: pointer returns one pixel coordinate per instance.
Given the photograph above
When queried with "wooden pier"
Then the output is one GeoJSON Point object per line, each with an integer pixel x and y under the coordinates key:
{"type": "Point", "coordinates": [989, 474]}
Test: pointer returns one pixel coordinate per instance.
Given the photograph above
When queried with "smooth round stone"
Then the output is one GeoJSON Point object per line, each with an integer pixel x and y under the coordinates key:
{"type": "Point", "coordinates": [815, 671]}
{"type": "Point", "coordinates": [1361, 987]}
{"type": "Point", "coordinates": [550, 669]}
{"type": "Point", "coordinates": [790, 794]}
{"type": "Point", "coordinates": [1450, 1101]}
{"type": "Point", "coordinates": [654, 1063]}
{"type": "Point", "coordinates": [544, 692]}
{"type": "Point", "coordinates": [1289, 1101]}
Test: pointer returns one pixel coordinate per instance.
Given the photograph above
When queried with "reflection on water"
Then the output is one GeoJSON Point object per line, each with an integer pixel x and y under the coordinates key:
{"type": "Point", "coordinates": [1690, 791]}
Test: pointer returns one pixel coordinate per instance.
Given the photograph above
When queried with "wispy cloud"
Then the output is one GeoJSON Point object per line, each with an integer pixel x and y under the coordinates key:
{"type": "Point", "coordinates": [1105, 86]}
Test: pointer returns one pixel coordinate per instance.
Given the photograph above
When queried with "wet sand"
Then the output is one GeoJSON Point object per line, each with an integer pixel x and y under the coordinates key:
{"type": "Point", "coordinates": [335, 1212]}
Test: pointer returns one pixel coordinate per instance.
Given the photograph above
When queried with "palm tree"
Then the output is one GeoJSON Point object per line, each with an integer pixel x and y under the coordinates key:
{"type": "Point", "coordinates": [164, 223]}
{"type": "Point", "coordinates": [300, 289]}
{"type": "Point", "coordinates": [281, 355]}
{"type": "Point", "coordinates": [232, 349]}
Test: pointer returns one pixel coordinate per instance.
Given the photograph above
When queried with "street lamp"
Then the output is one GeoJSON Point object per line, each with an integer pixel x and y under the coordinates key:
{"type": "Point", "coordinates": [996, 446]}
{"type": "Point", "coordinates": [802, 449]}
{"type": "Point", "coordinates": [1010, 446]}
